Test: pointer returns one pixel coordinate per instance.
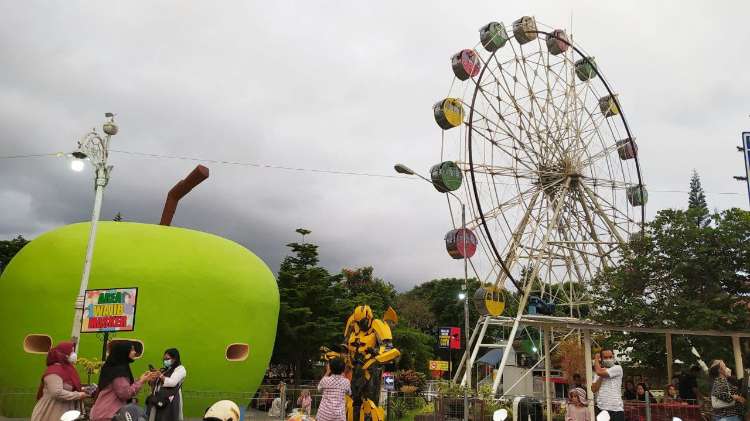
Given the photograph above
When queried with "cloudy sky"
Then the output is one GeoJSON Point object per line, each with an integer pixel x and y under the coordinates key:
{"type": "Point", "coordinates": [336, 86]}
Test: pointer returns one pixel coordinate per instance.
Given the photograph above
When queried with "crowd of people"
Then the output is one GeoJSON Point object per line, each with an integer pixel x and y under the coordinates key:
{"type": "Point", "coordinates": [60, 389]}
{"type": "Point", "coordinates": [728, 397]}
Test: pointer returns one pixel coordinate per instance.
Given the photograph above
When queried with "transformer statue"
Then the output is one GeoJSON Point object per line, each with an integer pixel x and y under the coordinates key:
{"type": "Point", "coordinates": [368, 346]}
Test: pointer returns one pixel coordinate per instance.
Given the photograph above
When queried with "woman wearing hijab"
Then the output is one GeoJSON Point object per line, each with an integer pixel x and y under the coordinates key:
{"type": "Point", "coordinates": [116, 384]}
{"type": "Point", "coordinates": [60, 388]}
{"type": "Point", "coordinates": [168, 389]}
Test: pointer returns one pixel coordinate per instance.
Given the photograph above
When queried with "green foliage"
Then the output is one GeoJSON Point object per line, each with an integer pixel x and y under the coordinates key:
{"type": "Point", "coordinates": [311, 310]}
{"type": "Point", "coordinates": [398, 408]}
{"type": "Point", "coordinates": [697, 206]}
{"type": "Point", "coordinates": [680, 275]}
{"type": "Point", "coordinates": [415, 312]}
{"type": "Point", "coordinates": [442, 298]}
{"type": "Point", "coordinates": [416, 347]}
{"type": "Point", "coordinates": [406, 406]}
{"type": "Point", "coordinates": [9, 248]}
{"type": "Point", "coordinates": [452, 390]}
{"type": "Point", "coordinates": [362, 288]}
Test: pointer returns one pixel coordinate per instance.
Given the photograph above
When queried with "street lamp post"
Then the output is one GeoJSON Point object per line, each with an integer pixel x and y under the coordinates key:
{"type": "Point", "coordinates": [94, 148]}
{"type": "Point", "coordinates": [403, 169]}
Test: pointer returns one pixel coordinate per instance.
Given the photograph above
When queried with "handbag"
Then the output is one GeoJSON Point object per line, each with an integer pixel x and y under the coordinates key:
{"type": "Point", "coordinates": [163, 396]}
{"type": "Point", "coordinates": [717, 403]}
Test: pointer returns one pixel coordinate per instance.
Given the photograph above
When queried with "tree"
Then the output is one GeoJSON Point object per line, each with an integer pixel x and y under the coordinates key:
{"type": "Point", "coordinates": [697, 199]}
{"type": "Point", "coordinates": [415, 313]}
{"type": "Point", "coordinates": [310, 312]}
{"type": "Point", "coordinates": [363, 289]}
{"type": "Point", "coordinates": [442, 296]}
{"type": "Point", "coordinates": [679, 275]}
{"type": "Point", "coordinates": [9, 248]}
{"type": "Point", "coordinates": [416, 348]}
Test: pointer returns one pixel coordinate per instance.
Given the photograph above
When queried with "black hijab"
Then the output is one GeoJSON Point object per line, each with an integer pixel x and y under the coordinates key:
{"type": "Point", "coordinates": [175, 354]}
{"type": "Point", "coordinates": [117, 364]}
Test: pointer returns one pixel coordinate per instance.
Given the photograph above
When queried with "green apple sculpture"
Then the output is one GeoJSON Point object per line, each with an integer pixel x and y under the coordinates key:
{"type": "Point", "coordinates": [209, 297]}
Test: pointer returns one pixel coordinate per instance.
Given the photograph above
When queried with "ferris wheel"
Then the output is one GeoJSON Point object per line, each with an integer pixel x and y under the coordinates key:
{"type": "Point", "coordinates": [547, 161]}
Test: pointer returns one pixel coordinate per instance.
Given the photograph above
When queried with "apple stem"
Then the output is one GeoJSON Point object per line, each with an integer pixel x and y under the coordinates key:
{"type": "Point", "coordinates": [183, 187]}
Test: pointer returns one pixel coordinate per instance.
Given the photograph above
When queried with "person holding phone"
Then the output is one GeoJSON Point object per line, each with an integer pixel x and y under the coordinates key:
{"type": "Point", "coordinates": [726, 401]}
{"type": "Point", "coordinates": [165, 401]}
{"type": "Point", "coordinates": [116, 382]}
{"type": "Point", "coordinates": [608, 384]}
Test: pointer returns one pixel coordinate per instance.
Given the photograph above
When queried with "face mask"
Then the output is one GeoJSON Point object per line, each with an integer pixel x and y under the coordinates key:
{"type": "Point", "coordinates": [609, 363]}
{"type": "Point", "coordinates": [72, 358]}
{"type": "Point", "coordinates": [167, 363]}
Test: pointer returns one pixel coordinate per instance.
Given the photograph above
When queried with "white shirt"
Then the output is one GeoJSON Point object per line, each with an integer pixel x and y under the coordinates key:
{"type": "Point", "coordinates": [178, 375]}
{"type": "Point", "coordinates": [609, 396]}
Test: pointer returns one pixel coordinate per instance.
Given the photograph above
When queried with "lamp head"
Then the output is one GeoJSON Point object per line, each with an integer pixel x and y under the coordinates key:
{"type": "Point", "coordinates": [76, 165]}
{"type": "Point", "coordinates": [403, 169]}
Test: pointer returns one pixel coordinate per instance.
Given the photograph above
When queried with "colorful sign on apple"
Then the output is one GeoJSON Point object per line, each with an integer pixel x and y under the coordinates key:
{"type": "Point", "coordinates": [109, 310]}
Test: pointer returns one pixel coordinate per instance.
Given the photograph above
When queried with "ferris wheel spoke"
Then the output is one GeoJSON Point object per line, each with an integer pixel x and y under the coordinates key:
{"type": "Point", "coordinates": [516, 159]}
{"type": "Point", "coordinates": [507, 131]}
{"type": "Point", "coordinates": [599, 211]}
{"type": "Point", "coordinates": [542, 124]}
{"type": "Point", "coordinates": [516, 235]}
{"type": "Point", "coordinates": [523, 118]}
{"type": "Point", "coordinates": [496, 170]}
{"type": "Point", "coordinates": [592, 232]}
{"type": "Point", "coordinates": [609, 204]}
{"type": "Point", "coordinates": [604, 153]}
{"type": "Point", "coordinates": [506, 117]}
{"type": "Point", "coordinates": [501, 208]}
{"type": "Point", "coordinates": [605, 182]}
{"type": "Point", "coordinates": [551, 225]}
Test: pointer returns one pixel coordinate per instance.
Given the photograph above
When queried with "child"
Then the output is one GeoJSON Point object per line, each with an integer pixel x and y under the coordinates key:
{"type": "Point", "coordinates": [334, 386]}
{"type": "Point", "coordinates": [577, 409]}
{"type": "Point", "coordinates": [305, 402]}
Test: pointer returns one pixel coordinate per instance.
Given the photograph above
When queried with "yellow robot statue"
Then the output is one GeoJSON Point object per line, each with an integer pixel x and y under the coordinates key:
{"type": "Point", "coordinates": [369, 344]}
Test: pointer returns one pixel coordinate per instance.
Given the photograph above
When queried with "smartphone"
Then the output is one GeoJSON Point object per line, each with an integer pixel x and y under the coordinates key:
{"type": "Point", "coordinates": [151, 367]}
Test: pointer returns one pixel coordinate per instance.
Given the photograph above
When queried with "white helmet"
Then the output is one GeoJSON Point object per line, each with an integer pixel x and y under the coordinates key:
{"type": "Point", "coordinates": [222, 411]}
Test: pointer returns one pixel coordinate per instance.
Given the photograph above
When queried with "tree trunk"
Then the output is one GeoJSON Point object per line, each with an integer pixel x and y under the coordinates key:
{"type": "Point", "coordinates": [298, 367]}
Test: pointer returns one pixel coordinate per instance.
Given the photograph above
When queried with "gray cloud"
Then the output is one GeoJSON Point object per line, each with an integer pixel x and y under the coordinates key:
{"type": "Point", "coordinates": [330, 85]}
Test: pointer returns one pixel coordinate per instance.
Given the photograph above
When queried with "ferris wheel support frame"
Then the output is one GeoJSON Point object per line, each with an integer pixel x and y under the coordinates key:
{"type": "Point", "coordinates": [528, 287]}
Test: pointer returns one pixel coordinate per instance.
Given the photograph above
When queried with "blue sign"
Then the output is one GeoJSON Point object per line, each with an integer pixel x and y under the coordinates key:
{"type": "Point", "coordinates": [389, 382]}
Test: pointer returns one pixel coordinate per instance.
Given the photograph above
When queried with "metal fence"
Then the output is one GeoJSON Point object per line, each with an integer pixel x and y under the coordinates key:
{"type": "Point", "coordinates": [667, 411]}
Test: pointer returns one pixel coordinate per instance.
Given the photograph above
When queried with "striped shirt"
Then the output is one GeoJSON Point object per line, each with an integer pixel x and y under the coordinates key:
{"type": "Point", "coordinates": [609, 397]}
{"type": "Point", "coordinates": [333, 405]}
